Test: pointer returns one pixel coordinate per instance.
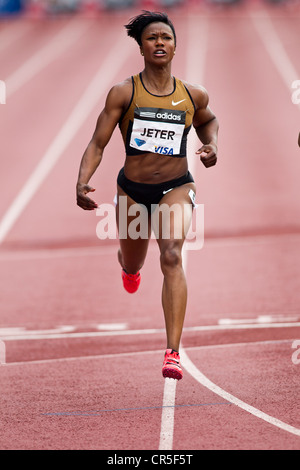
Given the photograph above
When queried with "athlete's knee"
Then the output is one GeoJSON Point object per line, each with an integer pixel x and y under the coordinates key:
{"type": "Point", "coordinates": [170, 256]}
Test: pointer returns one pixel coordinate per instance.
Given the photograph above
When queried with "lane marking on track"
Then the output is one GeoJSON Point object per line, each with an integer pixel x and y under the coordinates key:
{"type": "Point", "coordinates": [21, 334]}
{"type": "Point", "coordinates": [167, 434]}
{"type": "Point", "coordinates": [62, 331]}
{"type": "Point", "coordinates": [167, 418]}
{"type": "Point", "coordinates": [203, 380]}
{"type": "Point", "coordinates": [274, 47]}
{"type": "Point", "coordinates": [138, 353]}
{"type": "Point", "coordinates": [267, 318]}
{"type": "Point", "coordinates": [44, 56]}
{"type": "Point", "coordinates": [101, 81]}
{"type": "Point", "coordinates": [194, 74]}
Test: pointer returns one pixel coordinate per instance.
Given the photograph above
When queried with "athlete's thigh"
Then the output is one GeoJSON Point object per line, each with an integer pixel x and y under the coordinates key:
{"type": "Point", "coordinates": [172, 218]}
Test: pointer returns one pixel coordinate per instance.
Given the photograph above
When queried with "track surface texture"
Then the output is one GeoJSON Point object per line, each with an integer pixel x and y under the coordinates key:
{"type": "Point", "coordinates": [81, 358]}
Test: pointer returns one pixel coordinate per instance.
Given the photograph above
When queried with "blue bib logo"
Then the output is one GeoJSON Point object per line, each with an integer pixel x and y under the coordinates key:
{"type": "Point", "coordinates": [139, 142]}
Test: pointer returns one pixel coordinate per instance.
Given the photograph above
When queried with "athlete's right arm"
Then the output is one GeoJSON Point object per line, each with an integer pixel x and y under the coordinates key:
{"type": "Point", "coordinates": [116, 101]}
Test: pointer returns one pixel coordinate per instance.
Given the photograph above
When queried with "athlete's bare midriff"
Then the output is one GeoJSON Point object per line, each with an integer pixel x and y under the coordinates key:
{"type": "Point", "coordinates": [152, 168]}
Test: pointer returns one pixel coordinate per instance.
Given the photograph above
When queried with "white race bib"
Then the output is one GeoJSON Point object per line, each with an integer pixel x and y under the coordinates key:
{"type": "Point", "coordinates": [157, 130]}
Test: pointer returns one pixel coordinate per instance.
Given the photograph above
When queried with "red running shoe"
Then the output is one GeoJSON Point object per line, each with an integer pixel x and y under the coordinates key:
{"type": "Point", "coordinates": [131, 282]}
{"type": "Point", "coordinates": [171, 366]}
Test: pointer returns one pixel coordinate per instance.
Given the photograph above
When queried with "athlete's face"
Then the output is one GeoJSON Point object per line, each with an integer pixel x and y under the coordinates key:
{"type": "Point", "coordinates": [158, 43]}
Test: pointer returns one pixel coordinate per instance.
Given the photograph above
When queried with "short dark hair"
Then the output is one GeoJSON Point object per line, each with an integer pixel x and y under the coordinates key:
{"type": "Point", "coordinates": [137, 24]}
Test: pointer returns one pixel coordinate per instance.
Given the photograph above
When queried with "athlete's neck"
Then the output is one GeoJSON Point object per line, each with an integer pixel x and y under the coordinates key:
{"type": "Point", "coordinates": [158, 81]}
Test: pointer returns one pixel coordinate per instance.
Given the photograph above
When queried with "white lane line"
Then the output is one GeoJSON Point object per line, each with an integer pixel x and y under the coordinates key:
{"type": "Point", "coordinates": [267, 318]}
{"type": "Point", "coordinates": [274, 47]}
{"type": "Point", "coordinates": [44, 56]}
{"type": "Point", "coordinates": [138, 353]}
{"type": "Point", "coordinates": [167, 418]}
{"type": "Point", "coordinates": [203, 380]}
{"type": "Point", "coordinates": [22, 335]}
{"type": "Point", "coordinates": [101, 81]}
{"type": "Point", "coordinates": [194, 74]}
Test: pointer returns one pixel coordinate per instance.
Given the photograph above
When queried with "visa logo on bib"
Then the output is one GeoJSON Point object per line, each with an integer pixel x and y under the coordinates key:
{"type": "Point", "coordinates": [164, 150]}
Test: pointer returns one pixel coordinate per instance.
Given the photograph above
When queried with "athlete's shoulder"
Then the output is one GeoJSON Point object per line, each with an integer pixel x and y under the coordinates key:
{"type": "Point", "coordinates": [120, 93]}
{"type": "Point", "coordinates": [198, 93]}
{"type": "Point", "coordinates": [122, 88]}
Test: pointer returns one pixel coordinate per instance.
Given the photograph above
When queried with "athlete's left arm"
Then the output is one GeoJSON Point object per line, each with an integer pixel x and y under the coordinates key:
{"type": "Point", "coordinates": [206, 126]}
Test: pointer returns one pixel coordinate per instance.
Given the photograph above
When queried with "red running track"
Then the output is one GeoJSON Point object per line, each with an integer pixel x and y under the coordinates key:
{"type": "Point", "coordinates": [73, 377]}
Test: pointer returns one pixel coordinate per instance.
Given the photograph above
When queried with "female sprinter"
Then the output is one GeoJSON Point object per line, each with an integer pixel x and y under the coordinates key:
{"type": "Point", "coordinates": [155, 112]}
